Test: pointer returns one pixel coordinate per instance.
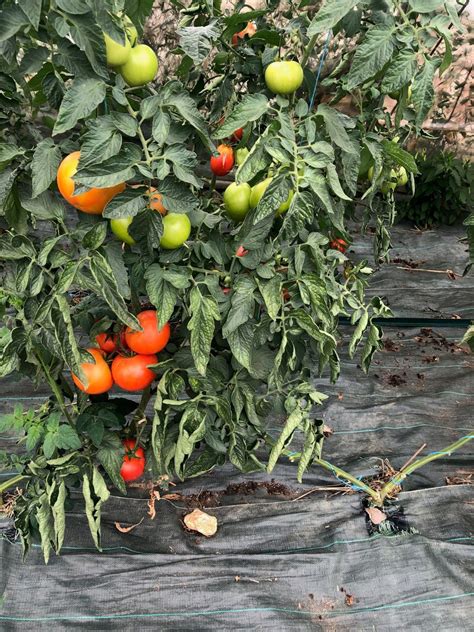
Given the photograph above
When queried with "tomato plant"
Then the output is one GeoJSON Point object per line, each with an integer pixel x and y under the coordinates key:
{"type": "Point", "coordinates": [254, 295]}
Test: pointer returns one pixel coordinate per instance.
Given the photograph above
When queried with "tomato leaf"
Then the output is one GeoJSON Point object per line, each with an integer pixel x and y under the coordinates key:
{"type": "Point", "coordinates": [329, 15]}
{"type": "Point", "coordinates": [251, 108]}
{"type": "Point", "coordinates": [197, 41]}
{"type": "Point", "coordinates": [204, 311]}
{"type": "Point", "coordinates": [79, 101]}
{"type": "Point", "coordinates": [371, 56]}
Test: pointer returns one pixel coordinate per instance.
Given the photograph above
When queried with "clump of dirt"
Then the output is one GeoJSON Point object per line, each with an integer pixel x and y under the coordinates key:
{"type": "Point", "coordinates": [431, 338]}
{"type": "Point", "coordinates": [393, 379]}
{"type": "Point", "coordinates": [390, 345]}
{"type": "Point", "coordinates": [409, 263]}
{"type": "Point", "coordinates": [430, 359]}
{"type": "Point", "coordinates": [207, 498]}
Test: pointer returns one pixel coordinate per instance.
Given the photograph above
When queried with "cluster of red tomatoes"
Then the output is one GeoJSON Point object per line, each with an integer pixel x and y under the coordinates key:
{"type": "Point", "coordinates": [133, 352]}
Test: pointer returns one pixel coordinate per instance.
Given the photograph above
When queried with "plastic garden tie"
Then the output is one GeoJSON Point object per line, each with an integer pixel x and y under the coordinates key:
{"type": "Point", "coordinates": [320, 66]}
{"type": "Point", "coordinates": [356, 488]}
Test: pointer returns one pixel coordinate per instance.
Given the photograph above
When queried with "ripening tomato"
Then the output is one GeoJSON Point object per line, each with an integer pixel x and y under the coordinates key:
{"type": "Point", "coordinates": [237, 135]}
{"type": "Point", "coordinates": [237, 200]}
{"type": "Point", "coordinates": [151, 339]}
{"type": "Point", "coordinates": [134, 461]}
{"type": "Point", "coordinates": [338, 244]}
{"type": "Point", "coordinates": [249, 30]}
{"type": "Point", "coordinates": [99, 377]}
{"type": "Point", "coordinates": [176, 229]}
{"type": "Point", "coordinates": [156, 202]}
{"type": "Point", "coordinates": [92, 201]}
{"type": "Point", "coordinates": [141, 66]}
{"type": "Point", "coordinates": [107, 341]}
{"type": "Point", "coordinates": [284, 77]}
{"type": "Point", "coordinates": [132, 373]}
{"type": "Point", "coordinates": [223, 163]}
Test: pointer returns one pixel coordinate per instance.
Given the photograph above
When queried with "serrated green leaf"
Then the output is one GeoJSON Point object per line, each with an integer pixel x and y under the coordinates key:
{"type": "Point", "coordinates": [44, 165]}
{"type": "Point", "coordinates": [251, 108]}
{"type": "Point", "coordinates": [371, 56]}
{"type": "Point", "coordinates": [329, 15]}
{"type": "Point", "coordinates": [204, 311]}
{"type": "Point", "coordinates": [79, 101]}
{"type": "Point", "coordinates": [197, 41]}
{"type": "Point", "coordinates": [271, 292]}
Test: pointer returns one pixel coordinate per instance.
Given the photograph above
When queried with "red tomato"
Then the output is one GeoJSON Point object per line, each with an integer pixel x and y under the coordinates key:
{"type": "Point", "coordinates": [222, 164]}
{"type": "Point", "coordinates": [339, 244]}
{"type": "Point", "coordinates": [134, 461]}
{"type": "Point", "coordinates": [237, 135]}
{"type": "Point", "coordinates": [241, 252]}
{"type": "Point", "coordinates": [99, 378]}
{"type": "Point", "coordinates": [107, 342]}
{"type": "Point", "coordinates": [132, 373]}
{"type": "Point", "coordinates": [151, 339]}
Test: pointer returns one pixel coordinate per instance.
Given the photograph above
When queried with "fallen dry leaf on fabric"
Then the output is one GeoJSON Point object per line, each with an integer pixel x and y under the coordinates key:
{"type": "Point", "coordinates": [119, 527]}
{"type": "Point", "coordinates": [376, 516]}
{"type": "Point", "coordinates": [172, 497]}
{"type": "Point", "coordinates": [201, 522]}
{"type": "Point", "coordinates": [154, 496]}
{"type": "Point", "coordinates": [327, 431]}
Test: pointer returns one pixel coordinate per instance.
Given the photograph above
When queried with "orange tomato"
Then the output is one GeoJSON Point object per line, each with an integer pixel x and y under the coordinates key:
{"type": "Point", "coordinates": [107, 342]}
{"type": "Point", "coordinates": [249, 30]}
{"type": "Point", "coordinates": [93, 201]}
{"type": "Point", "coordinates": [156, 201]}
{"type": "Point", "coordinates": [132, 373]}
{"type": "Point", "coordinates": [151, 339]}
{"type": "Point", "coordinates": [99, 377]}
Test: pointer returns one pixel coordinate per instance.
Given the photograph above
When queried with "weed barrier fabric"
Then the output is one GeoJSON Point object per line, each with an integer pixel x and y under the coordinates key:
{"type": "Point", "coordinates": [281, 560]}
{"type": "Point", "coordinates": [288, 565]}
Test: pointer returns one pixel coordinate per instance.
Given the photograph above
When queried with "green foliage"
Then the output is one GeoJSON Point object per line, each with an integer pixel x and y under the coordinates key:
{"type": "Point", "coordinates": [443, 190]}
{"type": "Point", "coordinates": [253, 307]}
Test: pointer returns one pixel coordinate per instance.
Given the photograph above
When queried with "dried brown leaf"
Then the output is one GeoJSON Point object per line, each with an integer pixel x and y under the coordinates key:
{"type": "Point", "coordinates": [119, 527]}
{"type": "Point", "coordinates": [201, 522]}
{"type": "Point", "coordinates": [376, 515]}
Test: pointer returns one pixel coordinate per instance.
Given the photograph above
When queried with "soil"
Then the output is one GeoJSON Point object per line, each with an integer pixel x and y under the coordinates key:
{"type": "Point", "coordinates": [207, 498]}
{"type": "Point", "coordinates": [428, 337]}
{"type": "Point", "coordinates": [390, 345]}
{"type": "Point", "coordinates": [409, 263]}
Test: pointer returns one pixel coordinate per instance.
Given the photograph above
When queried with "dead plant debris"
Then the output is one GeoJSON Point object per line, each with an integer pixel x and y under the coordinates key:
{"type": "Point", "coordinates": [461, 477]}
{"type": "Point", "coordinates": [201, 522]}
{"type": "Point", "coordinates": [122, 529]}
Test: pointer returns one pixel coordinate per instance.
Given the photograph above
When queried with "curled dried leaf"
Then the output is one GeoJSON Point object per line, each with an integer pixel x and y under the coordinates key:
{"type": "Point", "coordinates": [119, 527]}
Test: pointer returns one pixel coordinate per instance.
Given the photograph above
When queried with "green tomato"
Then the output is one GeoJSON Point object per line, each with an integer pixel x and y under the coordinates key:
{"type": "Point", "coordinates": [402, 177]}
{"type": "Point", "coordinates": [285, 205]}
{"type": "Point", "coordinates": [116, 53]}
{"type": "Point", "coordinates": [141, 67]}
{"type": "Point", "coordinates": [370, 173]}
{"type": "Point", "coordinates": [131, 30]}
{"type": "Point", "coordinates": [120, 229]}
{"type": "Point", "coordinates": [257, 192]}
{"type": "Point", "coordinates": [241, 154]}
{"type": "Point", "coordinates": [396, 95]}
{"type": "Point", "coordinates": [237, 200]}
{"type": "Point", "coordinates": [176, 229]}
{"type": "Point", "coordinates": [366, 162]}
{"type": "Point", "coordinates": [391, 184]}
{"type": "Point", "coordinates": [284, 77]}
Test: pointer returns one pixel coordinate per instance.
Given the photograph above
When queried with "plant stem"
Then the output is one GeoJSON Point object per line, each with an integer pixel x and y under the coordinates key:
{"type": "Point", "coordinates": [308, 50]}
{"type": "Point", "coordinates": [11, 481]}
{"type": "Point", "coordinates": [348, 477]}
{"type": "Point", "coordinates": [142, 138]}
{"type": "Point", "coordinates": [145, 398]}
{"type": "Point", "coordinates": [55, 388]}
{"type": "Point", "coordinates": [401, 476]}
